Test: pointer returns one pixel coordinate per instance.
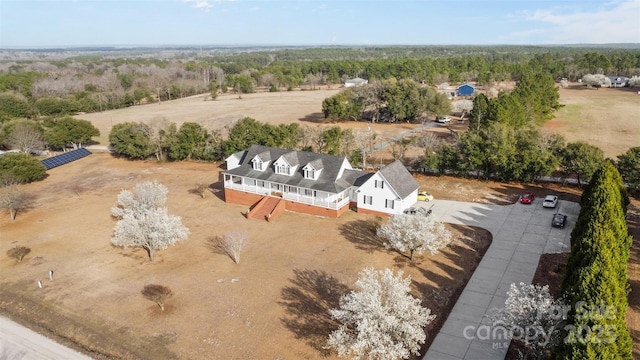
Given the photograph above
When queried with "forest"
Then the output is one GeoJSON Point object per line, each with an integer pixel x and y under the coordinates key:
{"type": "Point", "coordinates": [56, 83]}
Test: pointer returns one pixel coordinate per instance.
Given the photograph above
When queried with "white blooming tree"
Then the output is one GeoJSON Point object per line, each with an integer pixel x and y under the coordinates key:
{"type": "Point", "coordinates": [597, 80]}
{"type": "Point", "coordinates": [380, 320]}
{"type": "Point", "coordinates": [414, 233]}
{"type": "Point", "coordinates": [143, 221]}
{"type": "Point", "coordinates": [145, 196]}
{"type": "Point", "coordinates": [463, 107]}
{"type": "Point", "coordinates": [532, 316]}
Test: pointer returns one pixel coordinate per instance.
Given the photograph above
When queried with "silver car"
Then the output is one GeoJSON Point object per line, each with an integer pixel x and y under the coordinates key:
{"type": "Point", "coordinates": [550, 201]}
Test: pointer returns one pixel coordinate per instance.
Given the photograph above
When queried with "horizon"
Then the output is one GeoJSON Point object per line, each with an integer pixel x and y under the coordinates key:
{"type": "Point", "coordinates": [206, 47]}
{"type": "Point", "coordinates": [67, 24]}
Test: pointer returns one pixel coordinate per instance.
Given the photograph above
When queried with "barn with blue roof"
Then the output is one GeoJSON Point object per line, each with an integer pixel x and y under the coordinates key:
{"type": "Point", "coordinates": [465, 90]}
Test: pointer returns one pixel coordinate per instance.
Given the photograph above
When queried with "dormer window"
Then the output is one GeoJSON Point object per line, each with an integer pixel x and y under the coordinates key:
{"type": "Point", "coordinates": [258, 164]}
{"type": "Point", "coordinates": [310, 174]}
{"type": "Point", "coordinates": [283, 169]}
{"type": "Point", "coordinates": [312, 170]}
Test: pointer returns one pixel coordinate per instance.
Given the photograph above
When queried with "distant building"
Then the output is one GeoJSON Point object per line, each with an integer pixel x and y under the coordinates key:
{"type": "Point", "coordinates": [355, 82]}
{"type": "Point", "coordinates": [466, 90]}
{"type": "Point", "coordinates": [618, 81]}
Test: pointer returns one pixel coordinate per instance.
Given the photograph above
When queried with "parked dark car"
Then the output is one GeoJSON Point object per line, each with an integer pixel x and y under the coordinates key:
{"type": "Point", "coordinates": [559, 220]}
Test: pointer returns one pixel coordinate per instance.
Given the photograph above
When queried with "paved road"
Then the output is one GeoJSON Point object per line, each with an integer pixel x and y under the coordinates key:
{"type": "Point", "coordinates": [19, 343]}
{"type": "Point", "coordinates": [521, 233]}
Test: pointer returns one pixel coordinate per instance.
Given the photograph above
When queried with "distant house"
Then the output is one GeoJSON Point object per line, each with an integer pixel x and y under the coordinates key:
{"type": "Point", "coordinates": [311, 183]}
{"type": "Point", "coordinates": [465, 90]}
{"type": "Point", "coordinates": [618, 81]}
{"type": "Point", "coordinates": [355, 82]}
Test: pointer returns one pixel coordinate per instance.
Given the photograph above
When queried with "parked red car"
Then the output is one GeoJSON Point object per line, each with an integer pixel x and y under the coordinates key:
{"type": "Point", "coordinates": [527, 198]}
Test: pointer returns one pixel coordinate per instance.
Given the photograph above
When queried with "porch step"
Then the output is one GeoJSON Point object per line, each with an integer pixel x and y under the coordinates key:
{"type": "Point", "coordinates": [267, 208]}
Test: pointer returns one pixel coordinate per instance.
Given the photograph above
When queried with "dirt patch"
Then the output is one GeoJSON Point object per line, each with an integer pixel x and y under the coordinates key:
{"type": "Point", "coordinates": [292, 271]}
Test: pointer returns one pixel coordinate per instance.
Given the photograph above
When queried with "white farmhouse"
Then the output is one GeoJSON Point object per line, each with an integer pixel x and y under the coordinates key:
{"type": "Point", "coordinates": [271, 180]}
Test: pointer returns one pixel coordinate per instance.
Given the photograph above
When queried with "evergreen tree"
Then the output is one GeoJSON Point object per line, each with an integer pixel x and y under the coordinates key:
{"type": "Point", "coordinates": [596, 278]}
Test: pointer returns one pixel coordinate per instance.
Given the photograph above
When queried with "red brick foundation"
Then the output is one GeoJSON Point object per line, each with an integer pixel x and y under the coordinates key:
{"type": "Point", "coordinates": [244, 198]}
{"type": "Point", "coordinates": [372, 212]}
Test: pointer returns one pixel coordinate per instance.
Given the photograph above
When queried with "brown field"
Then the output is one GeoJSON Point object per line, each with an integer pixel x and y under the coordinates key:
{"type": "Point", "coordinates": [273, 305]}
{"type": "Point", "coordinates": [606, 118]}
{"type": "Point", "coordinates": [267, 107]}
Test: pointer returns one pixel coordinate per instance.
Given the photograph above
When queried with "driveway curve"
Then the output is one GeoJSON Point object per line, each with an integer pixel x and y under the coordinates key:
{"type": "Point", "coordinates": [19, 342]}
{"type": "Point", "coordinates": [521, 234]}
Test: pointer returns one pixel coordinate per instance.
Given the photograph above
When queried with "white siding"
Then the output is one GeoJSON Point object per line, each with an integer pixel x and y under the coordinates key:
{"type": "Point", "coordinates": [232, 162]}
{"type": "Point", "coordinates": [379, 196]}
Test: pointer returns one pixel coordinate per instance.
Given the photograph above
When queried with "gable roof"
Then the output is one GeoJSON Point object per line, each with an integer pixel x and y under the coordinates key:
{"type": "Point", "coordinates": [327, 180]}
{"type": "Point", "coordinates": [400, 179]}
{"type": "Point", "coordinates": [466, 85]}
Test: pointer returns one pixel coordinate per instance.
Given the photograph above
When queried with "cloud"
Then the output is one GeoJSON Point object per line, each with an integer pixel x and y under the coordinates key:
{"type": "Point", "coordinates": [612, 22]}
{"type": "Point", "coordinates": [205, 4]}
{"type": "Point", "coordinates": [200, 4]}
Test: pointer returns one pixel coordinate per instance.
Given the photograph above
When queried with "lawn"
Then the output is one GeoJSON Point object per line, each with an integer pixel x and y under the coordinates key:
{"type": "Point", "coordinates": [606, 118]}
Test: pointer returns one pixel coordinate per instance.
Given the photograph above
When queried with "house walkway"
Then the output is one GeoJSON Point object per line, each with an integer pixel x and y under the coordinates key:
{"type": "Point", "coordinates": [521, 233]}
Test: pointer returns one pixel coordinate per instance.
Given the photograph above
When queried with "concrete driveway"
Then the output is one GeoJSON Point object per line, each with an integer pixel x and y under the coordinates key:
{"type": "Point", "coordinates": [521, 233]}
{"type": "Point", "coordinates": [18, 342]}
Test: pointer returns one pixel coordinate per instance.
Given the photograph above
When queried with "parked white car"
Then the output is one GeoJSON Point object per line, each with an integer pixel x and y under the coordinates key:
{"type": "Point", "coordinates": [550, 201]}
{"type": "Point", "coordinates": [443, 119]}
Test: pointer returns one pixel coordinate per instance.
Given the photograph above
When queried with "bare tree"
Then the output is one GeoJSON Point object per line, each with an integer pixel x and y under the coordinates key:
{"type": "Point", "coordinates": [25, 137]}
{"type": "Point", "coordinates": [157, 294]}
{"type": "Point", "coordinates": [429, 141]}
{"type": "Point", "coordinates": [233, 243]}
{"type": "Point", "coordinates": [201, 189]}
{"type": "Point", "coordinates": [399, 147]}
{"type": "Point", "coordinates": [363, 141]}
{"type": "Point", "coordinates": [18, 252]}
{"type": "Point", "coordinates": [14, 200]}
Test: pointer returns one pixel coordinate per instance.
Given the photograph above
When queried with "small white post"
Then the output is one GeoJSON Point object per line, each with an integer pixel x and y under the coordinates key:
{"type": "Point", "coordinates": [40, 284]}
{"type": "Point", "coordinates": [50, 274]}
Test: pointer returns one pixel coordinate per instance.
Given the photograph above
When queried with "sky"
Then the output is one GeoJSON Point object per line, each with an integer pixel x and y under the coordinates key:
{"type": "Point", "coordinates": [74, 23]}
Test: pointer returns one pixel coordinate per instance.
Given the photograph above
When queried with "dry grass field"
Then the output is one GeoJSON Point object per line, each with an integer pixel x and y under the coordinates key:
{"type": "Point", "coordinates": [273, 305]}
{"type": "Point", "coordinates": [267, 107]}
{"type": "Point", "coordinates": [606, 118]}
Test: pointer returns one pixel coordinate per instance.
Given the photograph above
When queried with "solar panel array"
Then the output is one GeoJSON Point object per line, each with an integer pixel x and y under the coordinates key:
{"type": "Point", "coordinates": [67, 157]}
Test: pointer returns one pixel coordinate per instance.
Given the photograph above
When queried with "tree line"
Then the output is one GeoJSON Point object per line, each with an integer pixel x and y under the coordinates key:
{"type": "Point", "coordinates": [191, 141]}
{"type": "Point", "coordinates": [89, 84]}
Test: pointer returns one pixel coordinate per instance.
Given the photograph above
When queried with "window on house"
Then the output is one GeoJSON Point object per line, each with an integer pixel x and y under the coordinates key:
{"type": "Point", "coordinates": [282, 169]}
{"type": "Point", "coordinates": [309, 174]}
{"type": "Point", "coordinates": [309, 192]}
{"type": "Point", "coordinates": [379, 184]}
{"type": "Point", "coordinates": [388, 204]}
{"type": "Point", "coordinates": [257, 165]}
{"type": "Point", "coordinates": [276, 187]}
{"type": "Point", "coordinates": [260, 183]}
{"type": "Point", "coordinates": [368, 199]}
